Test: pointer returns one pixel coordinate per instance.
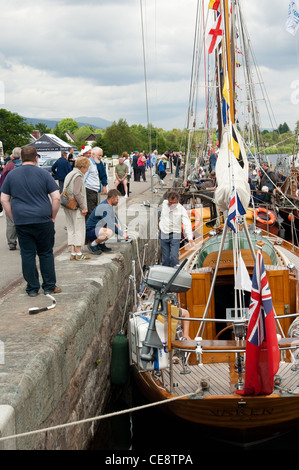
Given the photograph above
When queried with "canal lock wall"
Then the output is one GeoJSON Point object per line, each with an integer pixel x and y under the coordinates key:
{"type": "Point", "coordinates": [55, 365]}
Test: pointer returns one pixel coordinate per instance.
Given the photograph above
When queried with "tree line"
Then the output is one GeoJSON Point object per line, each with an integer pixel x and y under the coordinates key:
{"type": "Point", "coordinates": [120, 137]}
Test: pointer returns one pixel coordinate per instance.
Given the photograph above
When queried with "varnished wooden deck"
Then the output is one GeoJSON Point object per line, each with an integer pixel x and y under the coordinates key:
{"type": "Point", "coordinates": [222, 379]}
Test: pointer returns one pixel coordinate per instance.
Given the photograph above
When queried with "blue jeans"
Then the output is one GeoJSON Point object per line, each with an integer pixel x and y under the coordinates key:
{"type": "Point", "coordinates": [37, 239]}
{"type": "Point", "coordinates": [170, 246]}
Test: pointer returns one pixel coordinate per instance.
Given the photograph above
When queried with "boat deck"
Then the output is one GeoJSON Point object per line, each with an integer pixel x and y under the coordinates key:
{"type": "Point", "coordinates": [222, 379]}
{"type": "Point", "coordinates": [292, 257]}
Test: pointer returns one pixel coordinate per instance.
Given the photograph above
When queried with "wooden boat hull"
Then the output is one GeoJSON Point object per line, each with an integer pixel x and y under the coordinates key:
{"type": "Point", "coordinates": [233, 418]}
{"type": "Point", "coordinates": [223, 412]}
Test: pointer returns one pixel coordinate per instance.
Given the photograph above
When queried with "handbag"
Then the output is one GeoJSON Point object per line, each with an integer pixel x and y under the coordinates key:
{"type": "Point", "coordinates": [67, 200]}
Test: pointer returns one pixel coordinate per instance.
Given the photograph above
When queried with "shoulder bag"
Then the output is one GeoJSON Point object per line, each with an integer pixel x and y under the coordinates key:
{"type": "Point", "coordinates": [67, 200]}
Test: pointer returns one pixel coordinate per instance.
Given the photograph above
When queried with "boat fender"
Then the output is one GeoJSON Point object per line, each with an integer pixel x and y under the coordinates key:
{"type": "Point", "coordinates": [119, 367]}
{"type": "Point", "coordinates": [198, 349]}
{"type": "Point", "coordinates": [271, 216]}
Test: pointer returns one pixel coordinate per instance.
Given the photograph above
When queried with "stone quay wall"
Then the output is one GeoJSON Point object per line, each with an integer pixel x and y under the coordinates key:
{"type": "Point", "coordinates": [55, 365]}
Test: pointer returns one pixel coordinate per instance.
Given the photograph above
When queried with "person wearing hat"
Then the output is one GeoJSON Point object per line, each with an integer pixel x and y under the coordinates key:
{"type": "Point", "coordinates": [91, 181]}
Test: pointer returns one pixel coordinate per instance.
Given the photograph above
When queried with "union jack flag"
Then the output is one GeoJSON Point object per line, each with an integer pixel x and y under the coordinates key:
{"type": "Point", "coordinates": [262, 352]}
{"type": "Point", "coordinates": [260, 302]}
{"type": "Point", "coordinates": [235, 209]}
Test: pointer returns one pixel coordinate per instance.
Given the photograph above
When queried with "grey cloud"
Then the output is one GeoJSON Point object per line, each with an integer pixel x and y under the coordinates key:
{"type": "Point", "coordinates": [98, 43]}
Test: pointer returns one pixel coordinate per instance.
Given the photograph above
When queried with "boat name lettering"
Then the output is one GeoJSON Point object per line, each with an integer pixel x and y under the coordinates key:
{"type": "Point", "coordinates": [246, 412]}
{"type": "Point", "coordinates": [223, 261]}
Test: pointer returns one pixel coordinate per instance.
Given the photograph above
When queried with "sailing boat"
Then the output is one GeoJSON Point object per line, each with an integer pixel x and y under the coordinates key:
{"type": "Point", "coordinates": [233, 274]}
{"type": "Point", "coordinates": [287, 199]}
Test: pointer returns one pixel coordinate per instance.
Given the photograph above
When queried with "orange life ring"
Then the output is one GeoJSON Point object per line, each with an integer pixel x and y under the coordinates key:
{"type": "Point", "coordinates": [195, 219]}
{"type": "Point", "coordinates": [271, 220]}
{"type": "Point", "coordinates": [290, 216]}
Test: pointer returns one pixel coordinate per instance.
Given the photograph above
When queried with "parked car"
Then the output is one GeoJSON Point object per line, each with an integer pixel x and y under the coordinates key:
{"type": "Point", "coordinates": [47, 164]}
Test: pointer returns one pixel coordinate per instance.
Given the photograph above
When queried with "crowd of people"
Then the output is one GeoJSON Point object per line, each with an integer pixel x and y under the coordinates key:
{"type": "Point", "coordinates": [31, 198]}
{"type": "Point", "coordinates": [262, 181]}
{"type": "Point", "coordinates": [160, 164]}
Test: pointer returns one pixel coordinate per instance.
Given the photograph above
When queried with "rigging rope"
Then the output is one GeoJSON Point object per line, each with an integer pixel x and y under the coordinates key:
{"type": "Point", "coordinates": [205, 75]}
{"type": "Point", "coordinates": [98, 418]}
{"type": "Point", "coordinates": [145, 79]}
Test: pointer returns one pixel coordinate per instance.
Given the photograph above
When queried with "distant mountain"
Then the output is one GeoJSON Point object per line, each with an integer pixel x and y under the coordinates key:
{"type": "Point", "coordinates": [48, 122]}
{"type": "Point", "coordinates": [98, 123]}
{"type": "Point", "coordinates": [95, 122]}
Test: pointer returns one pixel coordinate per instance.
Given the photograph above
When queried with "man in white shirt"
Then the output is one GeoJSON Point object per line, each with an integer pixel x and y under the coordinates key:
{"type": "Point", "coordinates": [173, 215]}
{"type": "Point", "coordinates": [91, 181]}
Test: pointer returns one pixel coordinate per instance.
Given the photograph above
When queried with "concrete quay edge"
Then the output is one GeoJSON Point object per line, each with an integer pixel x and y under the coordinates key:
{"type": "Point", "coordinates": [43, 353]}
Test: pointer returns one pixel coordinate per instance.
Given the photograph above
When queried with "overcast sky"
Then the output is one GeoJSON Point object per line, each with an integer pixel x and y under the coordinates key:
{"type": "Point", "coordinates": [70, 58]}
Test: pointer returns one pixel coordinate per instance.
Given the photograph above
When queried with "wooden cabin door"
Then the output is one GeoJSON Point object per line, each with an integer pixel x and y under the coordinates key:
{"type": "Point", "coordinates": [278, 280]}
{"type": "Point", "coordinates": [195, 301]}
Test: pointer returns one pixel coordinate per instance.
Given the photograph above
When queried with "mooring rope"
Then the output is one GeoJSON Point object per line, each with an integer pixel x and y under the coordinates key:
{"type": "Point", "coordinates": [98, 418]}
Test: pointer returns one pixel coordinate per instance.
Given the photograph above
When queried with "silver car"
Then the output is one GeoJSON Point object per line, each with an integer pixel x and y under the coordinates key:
{"type": "Point", "coordinates": [47, 164]}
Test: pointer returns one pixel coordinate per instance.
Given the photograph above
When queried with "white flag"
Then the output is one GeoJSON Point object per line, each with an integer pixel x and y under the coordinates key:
{"type": "Point", "coordinates": [243, 281]}
{"type": "Point", "coordinates": [292, 23]}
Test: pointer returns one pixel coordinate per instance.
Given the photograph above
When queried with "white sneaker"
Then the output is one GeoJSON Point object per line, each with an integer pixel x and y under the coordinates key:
{"type": "Point", "coordinates": [1, 213]}
{"type": "Point", "coordinates": [125, 195]}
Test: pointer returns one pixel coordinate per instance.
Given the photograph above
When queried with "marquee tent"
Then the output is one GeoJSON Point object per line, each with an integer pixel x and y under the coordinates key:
{"type": "Point", "coordinates": [50, 146]}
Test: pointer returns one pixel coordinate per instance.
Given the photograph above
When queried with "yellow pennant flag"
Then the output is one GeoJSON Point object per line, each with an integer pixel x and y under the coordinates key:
{"type": "Point", "coordinates": [235, 147]}
{"type": "Point", "coordinates": [225, 91]}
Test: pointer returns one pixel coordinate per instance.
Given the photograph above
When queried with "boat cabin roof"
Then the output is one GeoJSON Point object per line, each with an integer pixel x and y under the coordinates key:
{"type": "Point", "coordinates": [208, 254]}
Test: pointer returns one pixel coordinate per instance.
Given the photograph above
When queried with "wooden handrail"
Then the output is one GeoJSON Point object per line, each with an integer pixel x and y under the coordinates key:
{"type": "Point", "coordinates": [227, 345]}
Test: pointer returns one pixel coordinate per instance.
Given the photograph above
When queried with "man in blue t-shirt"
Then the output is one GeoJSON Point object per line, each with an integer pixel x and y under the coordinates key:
{"type": "Point", "coordinates": [25, 198]}
{"type": "Point", "coordinates": [102, 224]}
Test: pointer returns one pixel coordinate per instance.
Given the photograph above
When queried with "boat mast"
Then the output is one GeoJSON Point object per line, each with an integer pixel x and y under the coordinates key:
{"type": "Point", "coordinates": [191, 117]}
{"type": "Point", "coordinates": [224, 8]}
